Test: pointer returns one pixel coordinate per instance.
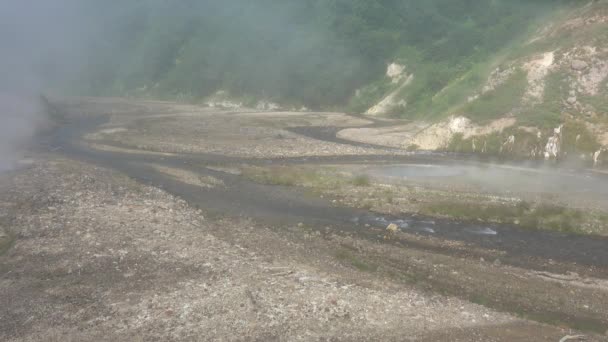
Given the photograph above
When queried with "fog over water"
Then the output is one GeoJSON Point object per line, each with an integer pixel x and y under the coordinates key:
{"type": "Point", "coordinates": [503, 178]}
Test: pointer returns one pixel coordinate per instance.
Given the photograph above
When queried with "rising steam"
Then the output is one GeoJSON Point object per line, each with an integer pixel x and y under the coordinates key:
{"type": "Point", "coordinates": [39, 48]}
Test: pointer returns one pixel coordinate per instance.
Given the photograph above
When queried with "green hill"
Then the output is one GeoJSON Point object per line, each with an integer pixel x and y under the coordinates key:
{"type": "Point", "coordinates": [316, 53]}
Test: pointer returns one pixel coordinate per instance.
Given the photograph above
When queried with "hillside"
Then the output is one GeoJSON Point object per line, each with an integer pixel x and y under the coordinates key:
{"type": "Point", "coordinates": [531, 65]}
{"type": "Point", "coordinates": [545, 97]}
{"type": "Point", "coordinates": [316, 53]}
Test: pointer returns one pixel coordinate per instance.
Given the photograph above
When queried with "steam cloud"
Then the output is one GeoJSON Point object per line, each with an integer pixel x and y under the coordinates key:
{"type": "Point", "coordinates": [39, 45]}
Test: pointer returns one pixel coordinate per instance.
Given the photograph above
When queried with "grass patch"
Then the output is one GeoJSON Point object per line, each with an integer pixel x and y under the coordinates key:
{"type": "Point", "coordinates": [577, 138]}
{"type": "Point", "coordinates": [288, 176]}
{"type": "Point", "coordinates": [370, 95]}
{"type": "Point", "coordinates": [495, 104]}
{"type": "Point", "coordinates": [489, 144]}
{"type": "Point", "coordinates": [351, 259]}
{"type": "Point", "coordinates": [412, 148]}
{"type": "Point", "coordinates": [493, 144]}
{"type": "Point", "coordinates": [548, 113]}
{"type": "Point", "coordinates": [361, 180]}
{"type": "Point", "coordinates": [541, 116]}
{"type": "Point", "coordinates": [523, 214]}
{"type": "Point", "coordinates": [320, 179]}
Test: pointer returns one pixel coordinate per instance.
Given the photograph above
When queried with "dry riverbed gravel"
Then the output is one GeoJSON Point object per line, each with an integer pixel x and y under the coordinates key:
{"type": "Point", "coordinates": [190, 129]}
{"type": "Point", "coordinates": [88, 254]}
{"type": "Point", "coordinates": [97, 257]}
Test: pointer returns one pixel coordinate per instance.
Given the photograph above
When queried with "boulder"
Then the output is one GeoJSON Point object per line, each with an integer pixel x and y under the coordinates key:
{"type": "Point", "coordinates": [572, 100]}
{"type": "Point", "coordinates": [393, 228]}
{"type": "Point", "coordinates": [579, 65]}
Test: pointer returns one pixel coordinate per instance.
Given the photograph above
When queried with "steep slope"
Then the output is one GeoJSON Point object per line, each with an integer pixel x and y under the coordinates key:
{"type": "Point", "coordinates": [315, 53]}
{"type": "Point", "coordinates": [491, 76]}
{"type": "Point", "coordinates": [546, 97]}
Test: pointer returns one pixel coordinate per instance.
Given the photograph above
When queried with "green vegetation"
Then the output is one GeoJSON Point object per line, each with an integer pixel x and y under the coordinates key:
{"type": "Point", "coordinates": [524, 214]}
{"type": "Point", "coordinates": [290, 176]}
{"type": "Point", "coordinates": [547, 114]}
{"type": "Point", "coordinates": [577, 138]}
{"type": "Point", "coordinates": [495, 104]}
{"type": "Point", "coordinates": [313, 52]}
{"type": "Point", "coordinates": [495, 144]}
{"type": "Point", "coordinates": [321, 179]}
{"type": "Point", "coordinates": [349, 257]}
{"type": "Point", "coordinates": [547, 214]}
{"type": "Point", "coordinates": [361, 180]}
{"type": "Point", "coordinates": [370, 95]}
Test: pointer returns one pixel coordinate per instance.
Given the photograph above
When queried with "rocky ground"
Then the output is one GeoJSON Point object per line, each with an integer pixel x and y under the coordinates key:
{"type": "Point", "coordinates": [88, 253]}
{"type": "Point", "coordinates": [181, 129]}
{"type": "Point", "coordinates": [97, 256]}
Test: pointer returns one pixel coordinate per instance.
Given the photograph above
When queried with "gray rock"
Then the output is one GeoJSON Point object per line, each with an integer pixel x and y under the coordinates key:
{"type": "Point", "coordinates": [579, 65]}
{"type": "Point", "coordinates": [572, 100]}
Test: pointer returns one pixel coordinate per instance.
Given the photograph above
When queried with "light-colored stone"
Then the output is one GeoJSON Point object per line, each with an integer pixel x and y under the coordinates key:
{"type": "Point", "coordinates": [395, 72]}
{"type": "Point", "coordinates": [439, 135]}
{"type": "Point", "coordinates": [390, 101]}
{"type": "Point", "coordinates": [592, 80]}
{"type": "Point", "coordinates": [553, 147]}
{"type": "Point", "coordinates": [579, 65]}
{"type": "Point", "coordinates": [393, 228]}
{"type": "Point", "coordinates": [538, 69]}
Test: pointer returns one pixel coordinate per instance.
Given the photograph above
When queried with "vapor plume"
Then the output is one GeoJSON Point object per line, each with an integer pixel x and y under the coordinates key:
{"type": "Point", "coordinates": [40, 44]}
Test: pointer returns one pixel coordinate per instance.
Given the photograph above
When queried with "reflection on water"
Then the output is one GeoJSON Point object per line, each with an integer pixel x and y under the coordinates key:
{"type": "Point", "coordinates": [424, 226]}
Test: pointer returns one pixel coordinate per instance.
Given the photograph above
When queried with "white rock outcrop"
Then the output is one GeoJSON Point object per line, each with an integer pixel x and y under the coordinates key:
{"type": "Point", "coordinates": [390, 102]}
{"type": "Point", "coordinates": [554, 144]}
{"type": "Point", "coordinates": [508, 145]}
{"type": "Point", "coordinates": [221, 99]}
{"type": "Point", "coordinates": [439, 135]}
{"type": "Point", "coordinates": [267, 105]}
{"type": "Point", "coordinates": [537, 70]}
{"type": "Point", "coordinates": [395, 72]}
{"type": "Point", "coordinates": [594, 77]}
{"type": "Point", "coordinates": [578, 65]}
{"type": "Point", "coordinates": [398, 75]}
{"type": "Point", "coordinates": [596, 157]}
